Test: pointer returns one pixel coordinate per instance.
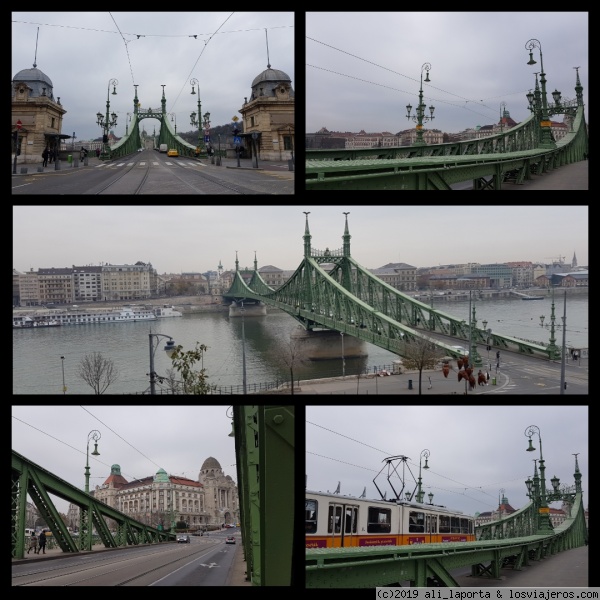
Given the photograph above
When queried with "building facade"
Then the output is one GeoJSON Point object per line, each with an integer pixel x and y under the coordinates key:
{"type": "Point", "coordinates": [268, 116]}
{"type": "Point", "coordinates": [162, 499]}
{"type": "Point", "coordinates": [39, 113]}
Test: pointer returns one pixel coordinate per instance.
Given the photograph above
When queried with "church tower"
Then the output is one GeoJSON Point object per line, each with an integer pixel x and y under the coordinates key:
{"type": "Point", "coordinates": [574, 261]}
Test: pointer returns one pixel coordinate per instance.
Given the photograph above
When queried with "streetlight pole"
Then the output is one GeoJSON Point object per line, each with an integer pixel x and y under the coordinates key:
{"type": "Point", "coordinates": [243, 310]}
{"type": "Point", "coordinates": [169, 349]}
{"type": "Point", "coordinates": [62, 361]}
{"type": "Point", "coordinates": [193, 121]}
{"type": "Point", "coordinates": [563, 383]}
{"type": "Point", "coordinates": [544, 526]}
{"type": "Point", "coordinates": [109, 120]}
{"type": "Point", "coordinates": [420, 116]}
{"type": "Point", "coordinates": [420, 493]}
{"type": "Point", "coordinates": [343, 357]}
{"type": "Point", "coordinates": [545, 123]}
{"type": "Point", "coordinates": [92, 435]}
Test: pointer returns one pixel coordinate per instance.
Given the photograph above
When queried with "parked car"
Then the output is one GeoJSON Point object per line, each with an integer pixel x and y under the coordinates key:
{"type": "Point", "coordinates": [230, 540]}
{"type": "Point", "coordinates": [183, 538]}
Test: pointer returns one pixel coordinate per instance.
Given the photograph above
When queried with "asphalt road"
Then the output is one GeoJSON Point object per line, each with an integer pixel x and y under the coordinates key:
{"type": "Point", "coordinates": [150, 172]}
{"type": "Point", "coordinates": [518, 374]}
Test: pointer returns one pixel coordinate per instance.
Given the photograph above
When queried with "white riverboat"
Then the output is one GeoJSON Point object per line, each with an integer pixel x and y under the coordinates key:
{"type": "Point", "coordinates": [79, 316]}
{"type": "Point", "coordinates": [167, 310]}
{"type": "Point", "coordinates": [25, 322]}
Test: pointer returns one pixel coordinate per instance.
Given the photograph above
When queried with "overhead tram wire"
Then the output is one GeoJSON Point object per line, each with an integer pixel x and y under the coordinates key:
{"type": "Point", "coordinates": [412, 79]}
{"type": "Point", "coordinates": [430, 98]}
{"type": "Point", "coordinates": [461, 485]}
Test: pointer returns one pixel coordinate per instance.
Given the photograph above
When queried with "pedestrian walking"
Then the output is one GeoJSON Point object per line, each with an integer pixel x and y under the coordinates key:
{"type": "Point", "coordinates": [430, 386]}
{"type": "Point", "coordinates": [487, 374]}
{"type": "Point", "coordinates": [45, 157]}
{"type": "Point", "coordinates": [97, 152]}
{"type": "Point", "coordinates": [32, 543]}
{"type": "Point", "coordinates": [42, 542]}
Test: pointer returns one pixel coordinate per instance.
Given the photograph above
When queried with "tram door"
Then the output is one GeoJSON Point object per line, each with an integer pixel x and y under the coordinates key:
{"type": "Point", "coordinates": [342, 524]}
{"type": "Point", "coordinates": [431, 527]}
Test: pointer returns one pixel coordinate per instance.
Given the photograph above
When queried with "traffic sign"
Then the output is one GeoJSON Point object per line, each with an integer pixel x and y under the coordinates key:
{"type": "Point", "coordinates": [207, 138]}
{"type": "Point", "coordinates": [237, 140]}
{"type": "Point", "coordinates": [19, 124]}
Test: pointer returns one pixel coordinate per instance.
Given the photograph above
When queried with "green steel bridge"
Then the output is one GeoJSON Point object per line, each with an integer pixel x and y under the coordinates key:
{"type": "Point", "coordinates": [130, 143]}
{"type": "Point", "coordinates": [348, 298]}
{"type": "Point", "coordinates": [511, 156]}
{"type": "Point", "coordinates": [514, 541]}
{"type": "Point", "coordinates": [264, 446]}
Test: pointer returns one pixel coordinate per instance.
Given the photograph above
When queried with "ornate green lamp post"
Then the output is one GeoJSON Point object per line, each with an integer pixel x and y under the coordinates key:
{"type": "Point", "coordinates": [420, 493]}
{"type": "Point", "coordinates": [545, 123]}
{"type": "Point", "coordinates": [420, 116]}
{"type": "Point", "coordinates": [193, 121]}
{"type": "Point", "coordinates": [544, 526]}
{"type": "Point", "coordinates": [109, 121]}
{"type": "Point", "coordinates": [92, 435]}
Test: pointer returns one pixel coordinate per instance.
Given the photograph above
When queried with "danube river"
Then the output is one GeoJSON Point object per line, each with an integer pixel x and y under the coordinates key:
{"type": "Point", "coordinates": [37, 367]}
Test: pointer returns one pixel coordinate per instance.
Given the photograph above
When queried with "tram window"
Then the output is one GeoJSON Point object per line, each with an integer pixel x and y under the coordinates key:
{"type": "Point", "coordinates": [416, 522]}
{"type": "Point", "coordinates": [310, 518]}
{"type": "Point", "coordinates": [351, 517]}
{"type": "Point", "coordinates": [379, 520]}
{"type": "Point", "coordinates": [454, 525]}
{"type": "Point", "coordinates": [444, 524]}
{"type": "Point", "coordinates": [335, 519]}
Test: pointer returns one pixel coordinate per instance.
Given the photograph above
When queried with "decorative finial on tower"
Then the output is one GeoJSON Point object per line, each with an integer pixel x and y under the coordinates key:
{"type": "Point", "coordinates": [346, 237]}
{"type": "Point", "coordinates": [307, 237]}
{"type": "Point", "coordinates": [268, 61]}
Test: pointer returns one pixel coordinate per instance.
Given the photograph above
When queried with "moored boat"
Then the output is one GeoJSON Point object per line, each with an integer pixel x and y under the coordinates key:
{"type": "Point", "coordinates": [167, 310]}
{"type": "Point", "coordinates": [78, 316]}
{"type": "Point", "coordinates": [532, 297]}
{"type": "Point", "coordinates": [25, 322]}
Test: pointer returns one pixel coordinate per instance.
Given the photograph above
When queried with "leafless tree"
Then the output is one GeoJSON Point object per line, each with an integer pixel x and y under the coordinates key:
{"type": "Point", "coordinates": [98, 372]}
{"type": "Point", "coordinates": [292, 354]}
{"type": "Point", "coordinates": [421, 354]}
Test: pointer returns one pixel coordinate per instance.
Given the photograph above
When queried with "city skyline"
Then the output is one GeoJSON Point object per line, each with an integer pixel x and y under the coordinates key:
{"type": "Point", "coordinates": [373, 61]}
{"type": "Point", "coordinates": [477, 454]}
{"type": "Point", "coordinates": [82, 51]}
{"type": "Point", "coordinates": [178, 239]}
{"type": "Point", "coordinates": [56, 437]}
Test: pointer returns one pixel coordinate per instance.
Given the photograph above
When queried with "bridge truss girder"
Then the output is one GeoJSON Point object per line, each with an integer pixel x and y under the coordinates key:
{"type": "Point", "coordinates": [355, 302]}
{"type": "Point", "coordinates": [513, 155]}
{"type": "Point", "coordinates": [29, 478]}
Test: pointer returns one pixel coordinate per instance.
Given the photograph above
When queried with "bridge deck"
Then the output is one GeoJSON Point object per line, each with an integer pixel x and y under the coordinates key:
{"type": "Point", "coordinates": [412, 164]}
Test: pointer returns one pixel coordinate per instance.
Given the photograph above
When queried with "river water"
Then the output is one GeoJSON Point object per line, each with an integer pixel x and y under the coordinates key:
{"type": "Point", "coordinates": [37, 367]}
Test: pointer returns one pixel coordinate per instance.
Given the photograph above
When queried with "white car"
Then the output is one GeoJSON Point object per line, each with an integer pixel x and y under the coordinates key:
{"type": "Point", "coordinates": [461, 350]}
{"type": "Point", "coordinates": [140, 149]}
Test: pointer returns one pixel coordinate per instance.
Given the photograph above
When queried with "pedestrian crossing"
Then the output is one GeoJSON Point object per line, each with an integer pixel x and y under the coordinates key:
{"type": "Point", "coordinates": [152, 163]}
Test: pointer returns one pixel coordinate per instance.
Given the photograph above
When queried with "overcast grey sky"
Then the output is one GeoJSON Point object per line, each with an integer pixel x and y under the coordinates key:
{"type": "Point", "coordinates": [179, 239]}
{"type": "Point", "coordinates": [82, 51]}
{"type": "Point", "coordinates": [363, 68]}
{"type": "Point", "coordinates": [141, 439]}
{"type": "Point", "coordinates": [475, 451]}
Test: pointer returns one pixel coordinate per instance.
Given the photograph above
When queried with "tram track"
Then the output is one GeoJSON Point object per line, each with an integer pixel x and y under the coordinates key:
{"type": "Point", "coordinates": [130, 181]}
{"type": "Point", "coordinates": [144, 566]}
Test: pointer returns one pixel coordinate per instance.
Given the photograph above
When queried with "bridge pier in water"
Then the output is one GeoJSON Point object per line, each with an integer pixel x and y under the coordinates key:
{"type": "Point", "coordinates": [327, 344]}
{"type": "Point", "coordinates": [247, 310]}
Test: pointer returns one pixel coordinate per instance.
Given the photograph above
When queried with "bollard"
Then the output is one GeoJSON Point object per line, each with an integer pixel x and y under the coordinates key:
{"type": "Point", "coordinates": [410, 387]}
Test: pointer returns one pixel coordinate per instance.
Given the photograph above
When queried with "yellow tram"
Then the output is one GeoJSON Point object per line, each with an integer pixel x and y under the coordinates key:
{"type": "Point", "coordinates": [335, 520]}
